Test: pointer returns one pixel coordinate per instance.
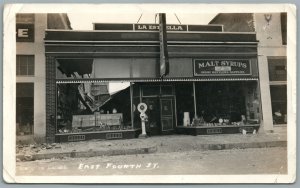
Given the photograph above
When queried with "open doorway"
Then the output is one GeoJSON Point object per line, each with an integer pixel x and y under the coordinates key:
{"type": "Point", "coordinates": [25, 108]}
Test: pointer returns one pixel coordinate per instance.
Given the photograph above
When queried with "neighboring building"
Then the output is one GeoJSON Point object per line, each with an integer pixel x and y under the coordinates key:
{"type": "Point", "coordinates": [271, 32]}
{"type": "Point", "coordinates": [236, 22]}
{"type": "Point", "coordinates": [30, 71]}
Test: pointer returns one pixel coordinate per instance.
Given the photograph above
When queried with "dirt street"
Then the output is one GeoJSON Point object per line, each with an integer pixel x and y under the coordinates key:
{"type": "Point", "coordinates": [235, 161]}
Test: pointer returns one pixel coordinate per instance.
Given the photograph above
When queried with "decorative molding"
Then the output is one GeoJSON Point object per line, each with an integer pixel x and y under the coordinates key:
{"type": "Point", "coordinates": [268, 18]}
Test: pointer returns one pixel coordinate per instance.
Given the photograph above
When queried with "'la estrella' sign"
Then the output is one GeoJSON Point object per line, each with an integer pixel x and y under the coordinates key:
{"type": "Point", "coordinates": [155, 27]}
{"type": "Point", "coordinates": [222, 67]}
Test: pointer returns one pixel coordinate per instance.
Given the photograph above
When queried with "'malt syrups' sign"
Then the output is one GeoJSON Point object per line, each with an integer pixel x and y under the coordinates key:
{"type": "Point", "coordinates": [221, 67]}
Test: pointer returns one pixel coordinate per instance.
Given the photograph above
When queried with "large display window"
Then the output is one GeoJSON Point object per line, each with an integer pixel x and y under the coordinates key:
{"type": "Point", "coordinates": [90, 107]}
{"type": "Point", "coordinates": [220, 100]}
{"type": "Point", "coordinates": [184, 102]}
{"type": "Point", "coordinates": [226, 103]}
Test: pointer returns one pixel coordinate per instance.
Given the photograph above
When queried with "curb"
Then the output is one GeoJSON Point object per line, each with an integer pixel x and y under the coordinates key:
{"type": "Point", "coordinates": [89, 153]}
{"type": "Point", "coordinates": [244, 145]}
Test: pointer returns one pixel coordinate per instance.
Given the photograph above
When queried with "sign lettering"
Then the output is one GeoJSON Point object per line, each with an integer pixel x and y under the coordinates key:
{"type": "Point", "coordinates": [22, 33]}
{"type": "Point", "coordinates": [25, 32]}
{"type": "Point", "coordinates": [155, 27]}
{"type": "Point", "coordinates": [221, 67]}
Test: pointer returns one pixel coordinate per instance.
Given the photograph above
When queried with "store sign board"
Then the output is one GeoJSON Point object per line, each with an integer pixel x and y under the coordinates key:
{"type": "Point", "coordinates": [155, 27]}
{"type": "Point", "coordinates": [222, 67]}
{"type": "Point", "coordinates": [25, 32]}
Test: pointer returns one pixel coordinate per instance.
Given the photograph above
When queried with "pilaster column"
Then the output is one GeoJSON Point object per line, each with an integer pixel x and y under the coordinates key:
{"type": "Point", "coordinates": [50, 99]}
{"type": "Point", "coordinates": [267, 118]}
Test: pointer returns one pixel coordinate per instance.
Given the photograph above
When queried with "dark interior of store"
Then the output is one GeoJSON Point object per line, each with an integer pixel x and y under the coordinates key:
{"type": "Point", "coordinates": [217, 100]}
{"type": "Point", "coordinates": [24, 108]}
{"type": "Point", "coordinates": [184, 100]}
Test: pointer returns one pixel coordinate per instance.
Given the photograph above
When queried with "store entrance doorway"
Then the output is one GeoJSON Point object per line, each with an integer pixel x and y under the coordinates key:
{"type": "Point", "coordinates": [160, 114]}
{"type": "Point", "coordinates": [167, 113]}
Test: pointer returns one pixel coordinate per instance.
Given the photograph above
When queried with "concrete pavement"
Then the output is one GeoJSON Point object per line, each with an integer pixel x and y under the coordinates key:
{"type": "Point", "coordinates": [159, 144]}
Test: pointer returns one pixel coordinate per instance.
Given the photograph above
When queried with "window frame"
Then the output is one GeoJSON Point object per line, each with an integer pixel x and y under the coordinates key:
{"type": "Point", "coordinates": [273, 72]}
{"type": "Point", "coordinates": [29, 72]}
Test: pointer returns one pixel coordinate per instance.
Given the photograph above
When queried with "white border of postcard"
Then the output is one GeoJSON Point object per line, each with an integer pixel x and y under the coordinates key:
{"type": "Point", "coordinates": [9, 91]}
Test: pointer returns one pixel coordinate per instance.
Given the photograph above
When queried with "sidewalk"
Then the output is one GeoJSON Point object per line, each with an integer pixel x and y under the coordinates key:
{"type": "Point", "coordinates": [170, 143]}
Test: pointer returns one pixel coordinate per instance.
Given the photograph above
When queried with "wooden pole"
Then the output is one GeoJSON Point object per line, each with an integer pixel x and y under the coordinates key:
{"type": "Point", "coordinates": [195, 99]}
{"type": "Point", "coordinates": [164, 57]}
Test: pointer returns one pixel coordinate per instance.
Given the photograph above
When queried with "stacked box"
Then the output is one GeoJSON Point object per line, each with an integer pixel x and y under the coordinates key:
{"type": "Point", "coordinates": [96, 119]}
{"type": "Point", "coordinates": [83, 121]}
{"type": "Point", "coordinates": [115, 122]}
{"type": "Point", "coordinates": [75, 122]}
{"type": "Point", "coordinates": [92, 121]}
{"type": "Point", "coordinates": [103, 118]}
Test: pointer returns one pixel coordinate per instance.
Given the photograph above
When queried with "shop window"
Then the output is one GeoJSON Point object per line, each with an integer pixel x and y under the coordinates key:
{"type": "Point", "coordinates": [25, 65]}
{"type": "Point", "coordinates": [24, 108]}
{"type": "Point", "coordinates": [150, 90]}
{"type": "Point", "coordinates": [279, 103]}
{"type": "Point", "coordinates": [155, 90]}
{"type": "Point", "coordinates": [277, 69]}
{"type": "Point", "coordinates": [136, 114]}
{"type": "Point", "coordinates": [184, 102]}
{"type": "Point", "coordinates": [136, 90]}
{"type": "Point", "coordinates": [92, 107]}
{"type": "Point", "coordinates": [220, 101]}
{"type": "Point", "coordinates": [136, 101]}
{"type": "Point", "coordinates": [283, 18]}
{"type": "Point", "coordinates": [166, 90]}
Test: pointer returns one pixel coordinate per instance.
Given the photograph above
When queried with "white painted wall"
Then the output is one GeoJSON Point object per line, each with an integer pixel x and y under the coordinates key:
{"type": "Point", "coordinates": [37, 49]}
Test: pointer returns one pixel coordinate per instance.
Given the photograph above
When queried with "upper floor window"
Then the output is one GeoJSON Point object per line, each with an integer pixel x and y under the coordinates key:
{"type": "Point", "coordinates": [283, 18]}
{"type": "Point", "coordinates": [277, 69]}
{"type": "Point", "coordinates": [25, 65]}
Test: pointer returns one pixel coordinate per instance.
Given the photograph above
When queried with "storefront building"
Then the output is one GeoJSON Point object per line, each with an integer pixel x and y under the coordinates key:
{"type": "Point", "coordinates": [30, 72]}
{"type": "Point", "coordinates": [211, 85]}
